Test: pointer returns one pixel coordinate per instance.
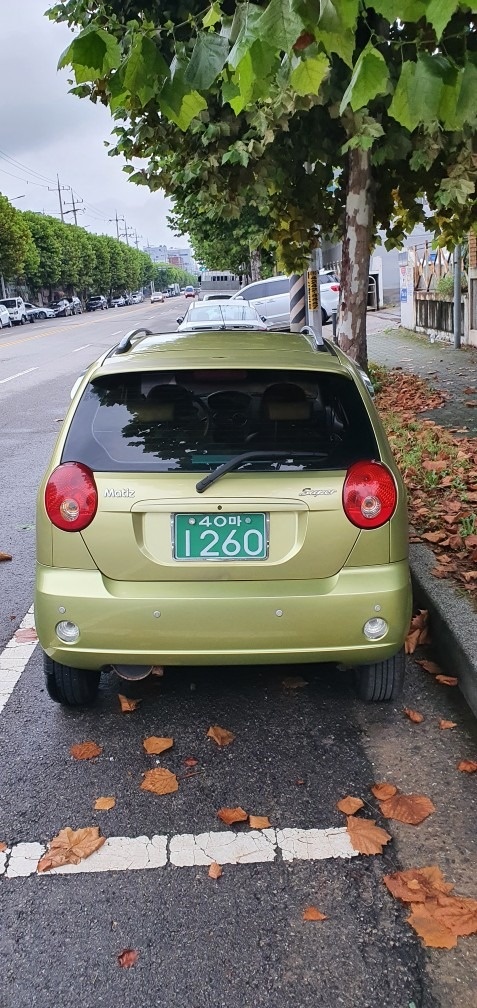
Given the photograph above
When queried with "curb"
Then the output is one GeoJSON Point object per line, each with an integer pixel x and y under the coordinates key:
{"type": "Point", "coordinates": [453, 622]}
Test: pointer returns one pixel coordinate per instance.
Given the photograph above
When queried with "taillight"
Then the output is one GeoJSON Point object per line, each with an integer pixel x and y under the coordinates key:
{"type": "Point", "coordinates": [369, 495]}
{"type": "Point", "coordinates": [71, 497]}
{"type": "Point", "coordinates": [335, 287]}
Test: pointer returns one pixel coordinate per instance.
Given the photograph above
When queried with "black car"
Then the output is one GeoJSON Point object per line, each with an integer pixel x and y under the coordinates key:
{"type": "Point", "coordinates": [61, 307]}
{"type": "Point", "coordinates": [96, 301]}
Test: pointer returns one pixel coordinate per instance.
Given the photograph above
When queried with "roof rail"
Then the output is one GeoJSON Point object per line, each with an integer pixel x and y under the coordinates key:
{"type": "Point", "coordinates": [125, 344]}
{"type": "Point", "coordinates": [319, 342]}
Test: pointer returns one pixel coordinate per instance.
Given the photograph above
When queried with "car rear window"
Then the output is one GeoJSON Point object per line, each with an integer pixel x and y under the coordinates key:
{"type": "Point", "coordinates": [192, 421]}
{"type": "Point", "coordinates": [221, 313]}
{"type": "Point", "coordinates": [9, 302]}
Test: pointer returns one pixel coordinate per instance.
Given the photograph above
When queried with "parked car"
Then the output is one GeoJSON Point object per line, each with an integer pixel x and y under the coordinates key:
{"type": "Point", "coordinates": [220, 315]}
{"type": "Point", "coordinates": [96, 302]}
{"type": "Point", "coordinates": [117, 302]}
{"type": "Point", "coordinates": [157, 296]}
{"type": "Point", "coordinates": [38, 311]}
{"type": "Point", "coordinates": [216, 297]}
{"type": "Point", "coordinates": [16, 309]}
{"type": "Point", "coordinates": [62, 307]}
{"type": "Point", "coordinates": [271, 298]}
{"type": "Point", "coordinates": [5, 319]}
{"type": "Point", "coordinates": [189, 291]}
{"type": "Point", "coordinates": [137, 297]}
{"type": "Point", "coordinates": [221, 501]}
{"type": "Point", "coordinates": [76, 305]}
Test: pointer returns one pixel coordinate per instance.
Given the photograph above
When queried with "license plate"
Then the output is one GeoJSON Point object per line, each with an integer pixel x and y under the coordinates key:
{"type": "Point", "coordinates": [220, 536]}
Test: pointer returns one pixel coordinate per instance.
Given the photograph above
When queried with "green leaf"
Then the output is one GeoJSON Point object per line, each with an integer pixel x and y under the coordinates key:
{"type": "Point", "coordinates": [466, 107]}
{"type": "Point", "coordinates": [280, 25]}
{"type": "Point", "coordinates": [439, 13]}
{"type": "Point", "coordinates": [244, 32]}
{"type": "Point", "coordinates": [406, 10]}
{"type": "Point", "coordinates": [336, 28]}
{"type": "Point", "coordinates": [418, 92]}
{"type": "Point", "coordinates": [208, 59]}
{"type": "Point", "coordinates": [370, 78]}
{"type": "Point", "coordinates": [308, 75]}
{"type": "Point", "coordinates": [92, 54]}
{"type": "Point", "coordinates": [244, 77]}
{"type": "Point", "coordinates": [145, 69]}
{"type": "Point", "coordinates": [177, 101]}
{"type": "Point", "coordinates": [212, 16]}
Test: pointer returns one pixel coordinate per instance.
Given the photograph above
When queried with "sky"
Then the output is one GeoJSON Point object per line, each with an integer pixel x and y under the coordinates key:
{"type": "Point", "coordinates": [50, 132]}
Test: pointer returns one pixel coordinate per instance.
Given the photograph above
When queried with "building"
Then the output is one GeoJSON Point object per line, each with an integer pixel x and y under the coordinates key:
{"type": "Point", "coordinates": [181, 257]}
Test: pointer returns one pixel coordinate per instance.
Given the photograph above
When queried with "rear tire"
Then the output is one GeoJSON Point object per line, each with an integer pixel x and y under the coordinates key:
{"type": "Point", "coordinates": [70, 686]}
{"type": "Point", "coordinates": [382, 680]}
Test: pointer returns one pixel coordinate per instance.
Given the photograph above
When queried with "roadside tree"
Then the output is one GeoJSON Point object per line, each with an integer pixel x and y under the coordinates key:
{"type": "Point", "coordinates": [18, 254]}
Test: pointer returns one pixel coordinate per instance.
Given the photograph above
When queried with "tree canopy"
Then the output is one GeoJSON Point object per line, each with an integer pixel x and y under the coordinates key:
{"type": "Point", "coordinates": [298, 108]}
{"type": "Point", "coordinates": [17, 249]}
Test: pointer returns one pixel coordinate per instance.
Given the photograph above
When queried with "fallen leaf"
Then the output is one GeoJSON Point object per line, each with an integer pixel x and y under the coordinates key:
{"type": "Point", "coordinates": [26, 635]}
{"type": "Point", "coordinates": [3, 847]}
{"type": "Point", "coordinates": [349, 805]}
{"type": "Point", "coordinates": [127, 705]}
{"type": "Point", "coordinates": [294, 682]}
{"type": "Point", "coordinates": [365, 836]}
{"type": "Point", "coordinates": [413, 715]}
{"type": "Point", "coordinates": [430, 666]}
{"type": "Point", "coordinates": [383, 791]}
{"type": "Point", "coordinates": [313, 914]}
{"type": "Point", "coordinates": [215, 870]}
{"type": "Point", "coordinates": [86, 750]}
{"type": "Point", "coordinates": [259, 822]}
{"type": "Point", "coordinates": [220, 735]}
{"type": "Point", "coordinates": [416, 885]}
{"type": "Point", "coordinates": [70, 847]}
{"type": "Point", "coordinates": [104, 804]}
{"type": "Point", "coordinates": [412, 639]}
{"type": "Point", "coordinates": [299, 782]}
{"type": "Point", "coordinates": [447, 680]}
{"type": "Point", "coordinates": [4, 556]}
{"type": "Point", "coordinates": [447, 724]}
{"type": "Point", "coordinates": [411, 809]}
{"type": "Point", "coordinates": [190, 761]}
{"type": "Point", "coordinates": [160, 781]}
{"type": "Point", "coordinates": [467, 766]}
{"type": "Point", "coordinates": [433, 933]}
{"type": "Point", "coordinates": [127, 957]}
{"type": "Point", "coordinates": [157, 670]}
{"type": "Point", "coordinates": [155, 745]}
{"type": "Point", "coordinates": [232, 815]}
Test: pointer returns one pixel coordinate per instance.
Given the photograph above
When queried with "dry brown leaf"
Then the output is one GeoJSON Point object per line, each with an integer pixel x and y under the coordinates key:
{"type": "Point", "coordinates": [365, 836]}
{"type": "Point", "coordinates": [467, 766]}
{"type": "Point", "coordinates": [104, 804]}
{"type": "Point", "coordinates": [447, 724]}
{"type": "Point", "coordinates": [26, 635]}
{"type": "Point", "coordinates": [157, 670]}
{"type": "Point", "coordinates": [411, 809]}
{"type": "Point", "coordinates": [127, 705]}
{"type": "Point", "coordinates": [412, 640]}
{"type": "Point", "coordinates": [215, 870]}
{"type": "Point", "coordinates": [70, 847]}
{"type": "Point", "coordinates": [160, 781]}
{"type": "Point", "coordinates": [313, 914]}
{"type": "Point", "coordinates": [86, 750]}
{"type": "Point", "coordinates": [383, 791]}
{"type": "Point", "coordinates": [416, 885]}
{"type": "Point", "coordinates": [349, 805]}
{"type": "Point", "coordinates": [4, 556]}
{"type": "Point", "coordinates": [127, 957]}
{"type": "Point", "coordinates": [447, 680]}
{"type": "Point", "coordinates": [3, 847]}
{"type": "Point", "coordinates": [294, 682]}
{"type": "Point", "coordinates": [430, 666]}
{"type": "Point", "coordinates": [259, 822]}
{"type": "Point", "coordinates": [433, 933]}
{"type": "Point", "coordinates": [155, 745]}
{"type": "Point", "coordinates": [232, 815]}
{"type": "Point", "coordinates": [413, 715]}
{"type": "Point", "coordinates": [190, 761]}
{"type": "Point", "coordinates": [220, 735]}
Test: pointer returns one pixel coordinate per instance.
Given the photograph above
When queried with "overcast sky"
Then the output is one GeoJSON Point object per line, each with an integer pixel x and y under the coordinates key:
{"type": "Point", "coordinates": [52, 132]}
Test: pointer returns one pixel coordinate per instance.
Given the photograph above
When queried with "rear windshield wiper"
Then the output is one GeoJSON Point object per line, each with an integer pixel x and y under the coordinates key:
{"type": "Point", "coordinates": [236, 460]}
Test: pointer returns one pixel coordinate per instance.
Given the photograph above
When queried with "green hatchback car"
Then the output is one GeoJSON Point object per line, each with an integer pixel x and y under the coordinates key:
{"type": "Point", "coordinates": [220, 498]}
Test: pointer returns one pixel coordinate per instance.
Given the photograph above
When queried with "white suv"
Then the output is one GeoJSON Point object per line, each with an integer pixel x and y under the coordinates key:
{"type": "Point", "coordinates": [271, 298]}
{"type": "Point", "coordinates": [16, 310]}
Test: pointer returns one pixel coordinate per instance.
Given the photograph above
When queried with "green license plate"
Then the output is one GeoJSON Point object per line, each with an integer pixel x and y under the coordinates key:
{"type": "Point", "coordinates": [220, 537]}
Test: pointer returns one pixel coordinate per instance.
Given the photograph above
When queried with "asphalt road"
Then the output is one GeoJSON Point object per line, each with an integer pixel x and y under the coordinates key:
{"type": "Point", "coordinates": [240, 940]}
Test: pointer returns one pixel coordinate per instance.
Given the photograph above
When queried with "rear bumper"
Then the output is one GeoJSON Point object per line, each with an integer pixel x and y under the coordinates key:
{"type": "Point", "coordinates": [219, 623]}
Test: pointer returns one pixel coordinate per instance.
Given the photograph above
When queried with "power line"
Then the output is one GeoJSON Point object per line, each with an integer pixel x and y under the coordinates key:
{"type": "Point", "coordinates": [22, 167]}
{"type": "Point", "coordinates": [24, 180]}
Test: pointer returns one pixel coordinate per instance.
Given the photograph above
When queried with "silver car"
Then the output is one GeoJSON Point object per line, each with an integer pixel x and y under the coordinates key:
{"type": "Point", "coordinates": [221, 315]}
{"type": "Point", "coordinates": [271, 298]}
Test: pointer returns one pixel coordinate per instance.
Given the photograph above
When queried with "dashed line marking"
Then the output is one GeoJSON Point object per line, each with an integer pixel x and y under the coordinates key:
{"type": "Point", "coordinates": [86, 345]}
{"type": "Point", "coordinates": [17, 375]}
{"type": "Point", "coordinates": [14, 659]}
{"type": "Point", "coordinates": [188, 851]}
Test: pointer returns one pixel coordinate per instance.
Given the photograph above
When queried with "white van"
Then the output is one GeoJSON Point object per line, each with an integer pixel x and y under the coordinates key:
{"type": "Point", "coordinates": [16, 309]}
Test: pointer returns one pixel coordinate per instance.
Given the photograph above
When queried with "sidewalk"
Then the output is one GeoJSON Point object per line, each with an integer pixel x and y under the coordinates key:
{"type": "Point", "coordinates": [453, 620]}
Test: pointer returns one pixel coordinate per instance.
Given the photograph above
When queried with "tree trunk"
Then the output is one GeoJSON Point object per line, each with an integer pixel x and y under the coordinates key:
{"type": "Point", "coordinates": [255, 264]}
{"type": "Point", "coordinates": [355, 259]}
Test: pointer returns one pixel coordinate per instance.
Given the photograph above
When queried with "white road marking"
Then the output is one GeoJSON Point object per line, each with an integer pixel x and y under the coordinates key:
{"type": "Point", "coordinates": [117, 333]}
{"type": "Point", "coordinates": [86, 345]}
{"type": "Point", "coordinates": [187, 850]}
{"type": "Point", "coordinates": [18, 375]}
{"type": "Point", "coordinates": [14, 658]}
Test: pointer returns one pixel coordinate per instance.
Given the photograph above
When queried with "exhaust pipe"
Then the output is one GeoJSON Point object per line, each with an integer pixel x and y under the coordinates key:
{"type": "Point", "coordinates": [132, 672]}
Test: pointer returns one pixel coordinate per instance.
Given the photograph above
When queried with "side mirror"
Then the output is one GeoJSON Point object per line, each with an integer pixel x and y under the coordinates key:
{"type": "Point", "coordinates": [179, 320]}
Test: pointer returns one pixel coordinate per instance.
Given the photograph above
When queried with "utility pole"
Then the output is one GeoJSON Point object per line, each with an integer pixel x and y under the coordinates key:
{"type": "Point", "coordinates": [59, 187]}
{"type": "Point", "coordinates": [115, 220]}
{"type": "Point", "coordinates": [457, 296]}
{"type": "Point", "coordinates": [75, 209]}
{"type": "Point", "coordinates": [127, 231]}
